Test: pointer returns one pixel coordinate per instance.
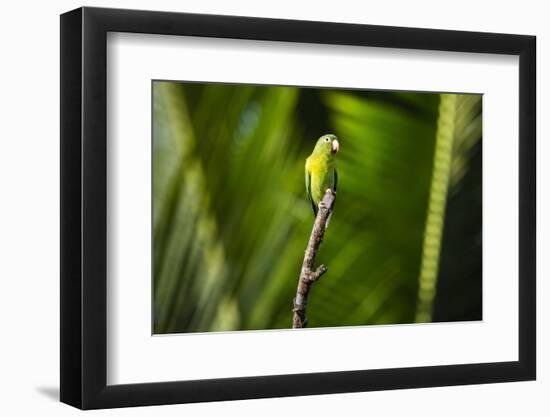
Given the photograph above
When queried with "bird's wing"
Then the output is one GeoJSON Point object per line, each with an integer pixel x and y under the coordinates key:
{"type": "Point", "coordinates": [308, 189]}
{"type": "Point", "coordinates": [335, 185]}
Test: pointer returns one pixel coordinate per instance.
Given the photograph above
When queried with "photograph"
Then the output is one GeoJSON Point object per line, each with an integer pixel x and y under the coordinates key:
{"type": "Point", "coordinates": [239, 176]}
{"type": "Point", "coordinates": [261, 206]}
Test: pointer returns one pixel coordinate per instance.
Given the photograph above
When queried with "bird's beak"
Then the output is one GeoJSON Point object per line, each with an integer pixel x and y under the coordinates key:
{"type": "Point", "coordinates": [335, 146]}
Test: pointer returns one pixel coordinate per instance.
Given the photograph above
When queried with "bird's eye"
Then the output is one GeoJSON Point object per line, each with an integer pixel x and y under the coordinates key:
{"type": "Point", "coordinates": [327, 139]}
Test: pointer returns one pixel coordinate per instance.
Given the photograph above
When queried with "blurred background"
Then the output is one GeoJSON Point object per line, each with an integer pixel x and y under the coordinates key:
{"type": "Point", "coordinates": [231, 217]}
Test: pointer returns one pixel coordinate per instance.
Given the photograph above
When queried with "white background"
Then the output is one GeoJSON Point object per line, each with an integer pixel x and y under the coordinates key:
{"type": "Point", "coordinates": [29, 225]}
{"type": "Point", "coordinates": [134, 356]}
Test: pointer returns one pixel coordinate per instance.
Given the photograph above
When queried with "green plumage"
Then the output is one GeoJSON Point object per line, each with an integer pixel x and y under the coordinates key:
{"type": "Point", "coordinates": [321, 169]}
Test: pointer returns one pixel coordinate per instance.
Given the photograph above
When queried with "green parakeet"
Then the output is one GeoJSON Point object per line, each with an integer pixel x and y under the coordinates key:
{"type": "Point", "coordinates": [321, 169]}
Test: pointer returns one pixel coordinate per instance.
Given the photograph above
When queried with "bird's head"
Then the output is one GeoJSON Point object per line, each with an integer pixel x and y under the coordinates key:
{"type": "Point", "coordinates": [327, 144]}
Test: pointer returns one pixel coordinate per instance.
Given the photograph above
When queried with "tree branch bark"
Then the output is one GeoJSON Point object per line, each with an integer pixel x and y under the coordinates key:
{"type": "Point", "coordinates": [309, 274]}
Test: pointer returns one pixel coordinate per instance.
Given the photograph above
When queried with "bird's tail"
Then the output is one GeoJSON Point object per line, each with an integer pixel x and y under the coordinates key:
{"type": "Point", "coordinates": [330, 215]}
{"type": "Point", "coordinates": [328, 220]}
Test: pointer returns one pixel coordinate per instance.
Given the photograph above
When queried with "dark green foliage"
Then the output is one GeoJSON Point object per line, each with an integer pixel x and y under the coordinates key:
{"type": "Point", "coordinates": [459, 287]}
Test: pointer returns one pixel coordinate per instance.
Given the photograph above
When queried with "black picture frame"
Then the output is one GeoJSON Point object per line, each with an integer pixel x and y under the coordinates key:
{"type": "Point", "coordinates": [84, 207]}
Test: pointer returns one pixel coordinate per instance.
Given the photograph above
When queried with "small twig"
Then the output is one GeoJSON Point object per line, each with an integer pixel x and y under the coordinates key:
{"type": "Point", "coordinates": [309, 274]}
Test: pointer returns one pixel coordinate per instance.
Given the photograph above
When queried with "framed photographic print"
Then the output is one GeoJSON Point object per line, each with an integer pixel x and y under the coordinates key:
{"type": "Point", "coordinates": [257, 208]}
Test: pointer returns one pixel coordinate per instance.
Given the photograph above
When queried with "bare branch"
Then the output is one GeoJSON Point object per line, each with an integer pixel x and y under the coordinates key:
{"type": "Point", "coordinates": [308, 274]}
